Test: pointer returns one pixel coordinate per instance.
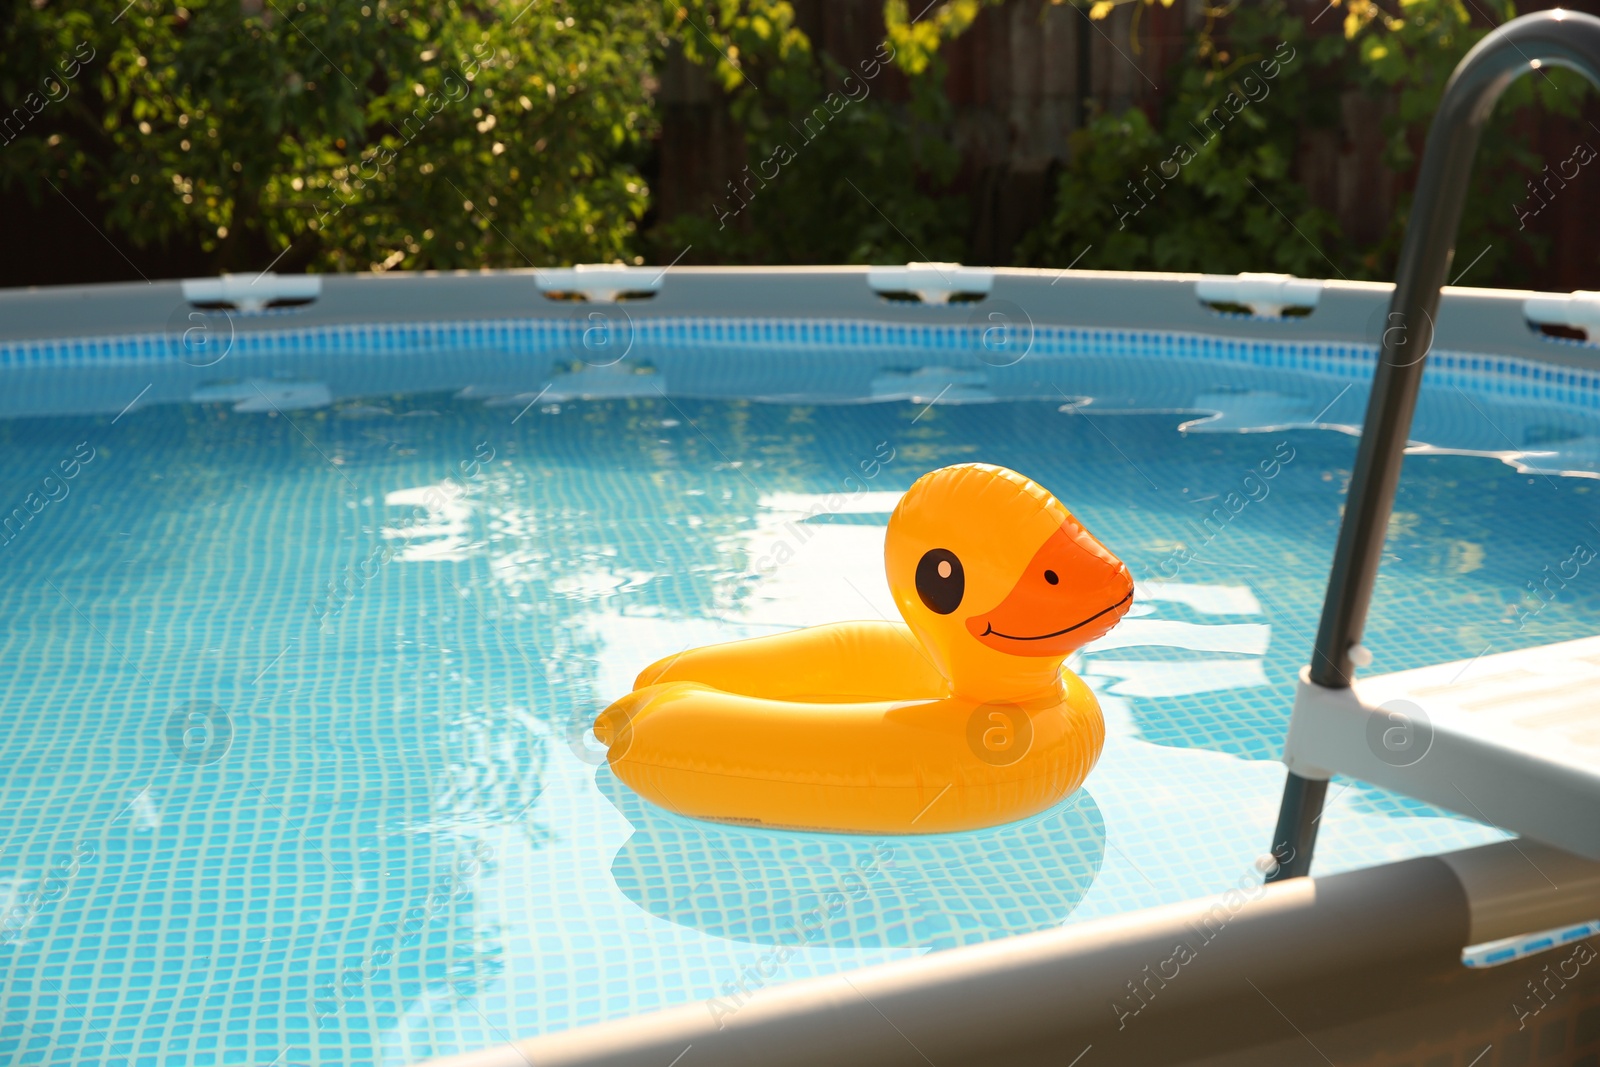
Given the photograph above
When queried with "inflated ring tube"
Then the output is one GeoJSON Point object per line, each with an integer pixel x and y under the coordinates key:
{"type": "Point", "coordinates": [962, 717]}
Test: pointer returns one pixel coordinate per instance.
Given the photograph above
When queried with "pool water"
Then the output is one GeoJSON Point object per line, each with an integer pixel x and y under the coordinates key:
{"type": "Point", "coordinates": [295, 704]}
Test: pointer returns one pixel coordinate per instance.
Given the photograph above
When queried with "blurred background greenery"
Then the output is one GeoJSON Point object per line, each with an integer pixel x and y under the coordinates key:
{"type": "Point", "coordinates": [168, 139]}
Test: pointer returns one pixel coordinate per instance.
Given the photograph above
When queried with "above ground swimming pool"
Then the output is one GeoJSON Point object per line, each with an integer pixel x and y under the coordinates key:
{"type": "Point", "coordinates": [297, 688]}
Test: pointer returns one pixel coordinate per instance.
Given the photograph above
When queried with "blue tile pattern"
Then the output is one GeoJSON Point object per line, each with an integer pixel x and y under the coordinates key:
{"type": "Point", "coordinates": [293, 706]}
{"type": "Point", "coordinates": [1500, 375]}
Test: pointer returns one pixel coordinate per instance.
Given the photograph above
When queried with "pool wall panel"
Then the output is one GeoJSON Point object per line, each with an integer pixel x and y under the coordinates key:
{"type": "Point", "coordinates": [1356, 968]}
{"type": "Point", "coordinates": [1484, 320]}
{"type": "Point", "coordinates": [814, 333]}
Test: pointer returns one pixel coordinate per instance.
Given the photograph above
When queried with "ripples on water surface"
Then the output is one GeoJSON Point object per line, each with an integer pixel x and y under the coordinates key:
{"type": "Point", "coordinates": [296, 707]}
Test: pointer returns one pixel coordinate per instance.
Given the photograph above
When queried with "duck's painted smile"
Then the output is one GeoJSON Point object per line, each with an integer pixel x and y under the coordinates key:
{"type": "Point", "coordinates": [990, 631]}
{"type": "Point", "coordinates": [1070, 576]}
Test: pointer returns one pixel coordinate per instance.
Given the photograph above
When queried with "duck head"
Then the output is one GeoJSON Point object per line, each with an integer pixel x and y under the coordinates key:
{"type": "Point", "coordinates": [998, 580]}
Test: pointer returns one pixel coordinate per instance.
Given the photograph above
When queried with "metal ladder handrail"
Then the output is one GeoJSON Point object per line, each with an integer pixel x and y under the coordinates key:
{"type": "Point", "coordinates": [1545, 38]}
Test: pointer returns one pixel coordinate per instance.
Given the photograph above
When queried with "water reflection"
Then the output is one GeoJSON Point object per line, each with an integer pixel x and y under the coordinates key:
{"type": "Point", "coordinates": [379, 733]}
{"type": "Point", "coordinates": [932, 891]}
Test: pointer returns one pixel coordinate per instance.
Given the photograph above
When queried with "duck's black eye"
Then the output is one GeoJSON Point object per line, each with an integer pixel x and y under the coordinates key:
{"type": "Point", "coordinates": [940, 581]}
{"type": "Point", "coordinates": [1050, 576]}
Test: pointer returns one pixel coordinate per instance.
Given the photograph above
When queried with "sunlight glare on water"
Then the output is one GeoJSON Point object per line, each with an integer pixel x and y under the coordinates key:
{"type": "Point", "coordinates": [297, 707]}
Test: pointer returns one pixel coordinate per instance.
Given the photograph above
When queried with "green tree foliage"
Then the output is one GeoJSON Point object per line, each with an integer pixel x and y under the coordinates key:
{"type": "Point", "coordinates": [415, 134]}
{"type": "Point", "coordinates": [836, 172]}
{"type": "Point", "coordinates": [1226, 196]}
{"type": "Point", "coordinates": [1210, 185]}
{"type": "Point", "coordinates": [344, 135]}
{"type": "Point", "coordinates": [1409, 58]}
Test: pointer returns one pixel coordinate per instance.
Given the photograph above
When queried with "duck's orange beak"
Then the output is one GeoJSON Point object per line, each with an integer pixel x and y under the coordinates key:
{"type": "Point", "coordinates": [1073, 591]}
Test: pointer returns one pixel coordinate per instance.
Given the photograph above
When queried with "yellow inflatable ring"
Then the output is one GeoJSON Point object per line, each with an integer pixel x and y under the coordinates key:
{"type": "Point", "coordinates": [961, 717]}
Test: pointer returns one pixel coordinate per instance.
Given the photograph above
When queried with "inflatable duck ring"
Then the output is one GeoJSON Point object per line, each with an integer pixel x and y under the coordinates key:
{"type": "Point", "coordinates": [961, 717]}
